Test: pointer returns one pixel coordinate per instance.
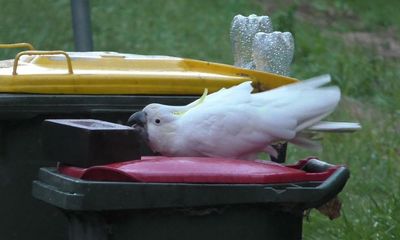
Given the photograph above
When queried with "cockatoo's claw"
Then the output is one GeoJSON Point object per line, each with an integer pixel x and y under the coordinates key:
{"type": "Point", "coordinates": [278, 152]}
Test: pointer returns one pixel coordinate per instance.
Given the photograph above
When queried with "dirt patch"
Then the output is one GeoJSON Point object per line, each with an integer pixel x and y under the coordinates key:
{"type": "Point", "coordinates": [304, 11]}
{"type": "Point", "coordinates": [360, 110]}
{"type": "Point", "coordinates": [327, 17]}
{"type": "Point", "coordinates": [384, 43]}
{"type": "Point", "coordinates": [271, 6]}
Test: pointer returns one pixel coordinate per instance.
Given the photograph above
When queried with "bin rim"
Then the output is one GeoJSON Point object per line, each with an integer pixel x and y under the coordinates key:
{"type": "Point", "coordinates": [74, 194]}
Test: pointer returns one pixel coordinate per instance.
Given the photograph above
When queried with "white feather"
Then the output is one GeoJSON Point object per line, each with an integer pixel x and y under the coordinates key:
{"type": "Point", "coordinates": [335, 127]}
{"type": "Point", "coordinates": [237, 124]}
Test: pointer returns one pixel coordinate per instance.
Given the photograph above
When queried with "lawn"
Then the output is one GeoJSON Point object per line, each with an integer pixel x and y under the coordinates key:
{"type": "Point", "coordinates": [356, 41]}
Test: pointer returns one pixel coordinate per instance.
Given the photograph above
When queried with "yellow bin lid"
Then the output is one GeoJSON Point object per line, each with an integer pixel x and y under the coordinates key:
{"type": "Point", "coordinates": [59, 72]}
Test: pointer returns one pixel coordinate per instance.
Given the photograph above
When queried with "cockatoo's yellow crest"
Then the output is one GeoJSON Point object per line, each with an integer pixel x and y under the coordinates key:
{"type": "Point", "coordinates": [194, 104]}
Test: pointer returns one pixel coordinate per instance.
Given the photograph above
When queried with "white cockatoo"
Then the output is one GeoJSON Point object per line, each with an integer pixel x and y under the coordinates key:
{"type": "Point", "coordinates": [236, 123]}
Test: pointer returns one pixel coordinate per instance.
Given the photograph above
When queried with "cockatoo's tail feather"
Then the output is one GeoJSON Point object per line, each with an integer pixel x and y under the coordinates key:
{"type": "Point", "coordinates": [307, 101]}
{"type": "Point", "coordinates": [335, 127]}
{"type": "Point", "coordinates": [305, 142]}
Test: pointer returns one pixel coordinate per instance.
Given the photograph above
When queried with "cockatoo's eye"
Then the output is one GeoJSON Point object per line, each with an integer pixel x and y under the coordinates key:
{"type": "Point", "coordinates": [157, 121]}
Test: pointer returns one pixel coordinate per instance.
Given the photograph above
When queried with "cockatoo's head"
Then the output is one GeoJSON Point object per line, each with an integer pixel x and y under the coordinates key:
{"type": "Point", "coordinates": [156, 124]}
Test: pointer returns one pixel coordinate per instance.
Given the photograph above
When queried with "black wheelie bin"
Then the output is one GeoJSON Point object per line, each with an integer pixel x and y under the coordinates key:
{"type": "Point", "coordinates": [37, 85]}
{"type": "Point", "coordinates": [159, 197]}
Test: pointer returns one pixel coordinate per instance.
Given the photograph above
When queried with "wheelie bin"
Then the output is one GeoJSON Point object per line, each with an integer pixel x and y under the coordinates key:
{"type": "Point", "coordinates": [37, 85]}
{"type": "Point", "coordinates": [159, 197]}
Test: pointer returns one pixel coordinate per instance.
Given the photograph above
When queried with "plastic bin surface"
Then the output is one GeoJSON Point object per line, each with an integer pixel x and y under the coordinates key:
{"type": "Point", "coordinates": [198, 170]}
{"type": "Point", "coordinates": [59, 72]}
{"type": "Point", "coordinates": [193, 183]}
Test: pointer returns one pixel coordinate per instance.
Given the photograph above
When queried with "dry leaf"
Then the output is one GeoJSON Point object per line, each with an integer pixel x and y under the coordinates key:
{"type": "Point", "coordinates": [332, 208]}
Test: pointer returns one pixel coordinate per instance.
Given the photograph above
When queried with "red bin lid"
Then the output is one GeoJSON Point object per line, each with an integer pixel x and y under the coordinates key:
{"type": "Point", "coordinates": [197, 170]}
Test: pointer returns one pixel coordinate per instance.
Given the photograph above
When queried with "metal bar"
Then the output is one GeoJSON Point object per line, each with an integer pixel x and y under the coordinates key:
{"type": "Point", "coordinates": [17, 45]}
{"type": "Point", "coordinates": [32, 53]}
{"type": "Point", "coordinates": [81, 25]}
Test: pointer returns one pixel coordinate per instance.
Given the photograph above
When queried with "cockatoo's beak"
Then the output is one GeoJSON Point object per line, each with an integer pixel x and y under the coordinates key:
{"type": "Point", "coordinates": [138, 122]}
{"type": "Point", "coordinates": [138, 119]}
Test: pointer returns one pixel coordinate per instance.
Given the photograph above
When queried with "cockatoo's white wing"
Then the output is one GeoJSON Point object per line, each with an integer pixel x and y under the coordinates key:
{"type": "Point", "coordinates": [237, 124]}
{"type": "Point", "coordinates": [234, 130]}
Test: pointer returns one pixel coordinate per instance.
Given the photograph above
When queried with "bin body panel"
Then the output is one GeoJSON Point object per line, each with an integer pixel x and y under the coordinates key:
{"type": "Point", "coordinates": [178, 211]}
{"type": "Point", "coordinates": [214, 223]}
{"type": "Point", "coordinates": [20, 158]}
{"type": "Point", "coordinates": [21, 155]}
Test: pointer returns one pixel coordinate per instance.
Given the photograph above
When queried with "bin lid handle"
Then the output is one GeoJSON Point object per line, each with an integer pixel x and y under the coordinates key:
{"type": "Point", "coordinates": [32, 52]}
{"type": "Point", "coordinates": [16, 45]}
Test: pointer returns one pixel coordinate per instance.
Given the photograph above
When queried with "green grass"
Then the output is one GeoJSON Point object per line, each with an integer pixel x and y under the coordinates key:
{"type": "Point", "coordinates": [194, 29]}
{"type": "Point", "coordinates": [371, 198]}
{"type": "Point", "coordinates": [200, 29]}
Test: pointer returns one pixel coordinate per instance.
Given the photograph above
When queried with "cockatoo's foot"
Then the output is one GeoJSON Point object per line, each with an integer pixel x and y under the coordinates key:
{"type": "Point", "coordinates": [277, 152]}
